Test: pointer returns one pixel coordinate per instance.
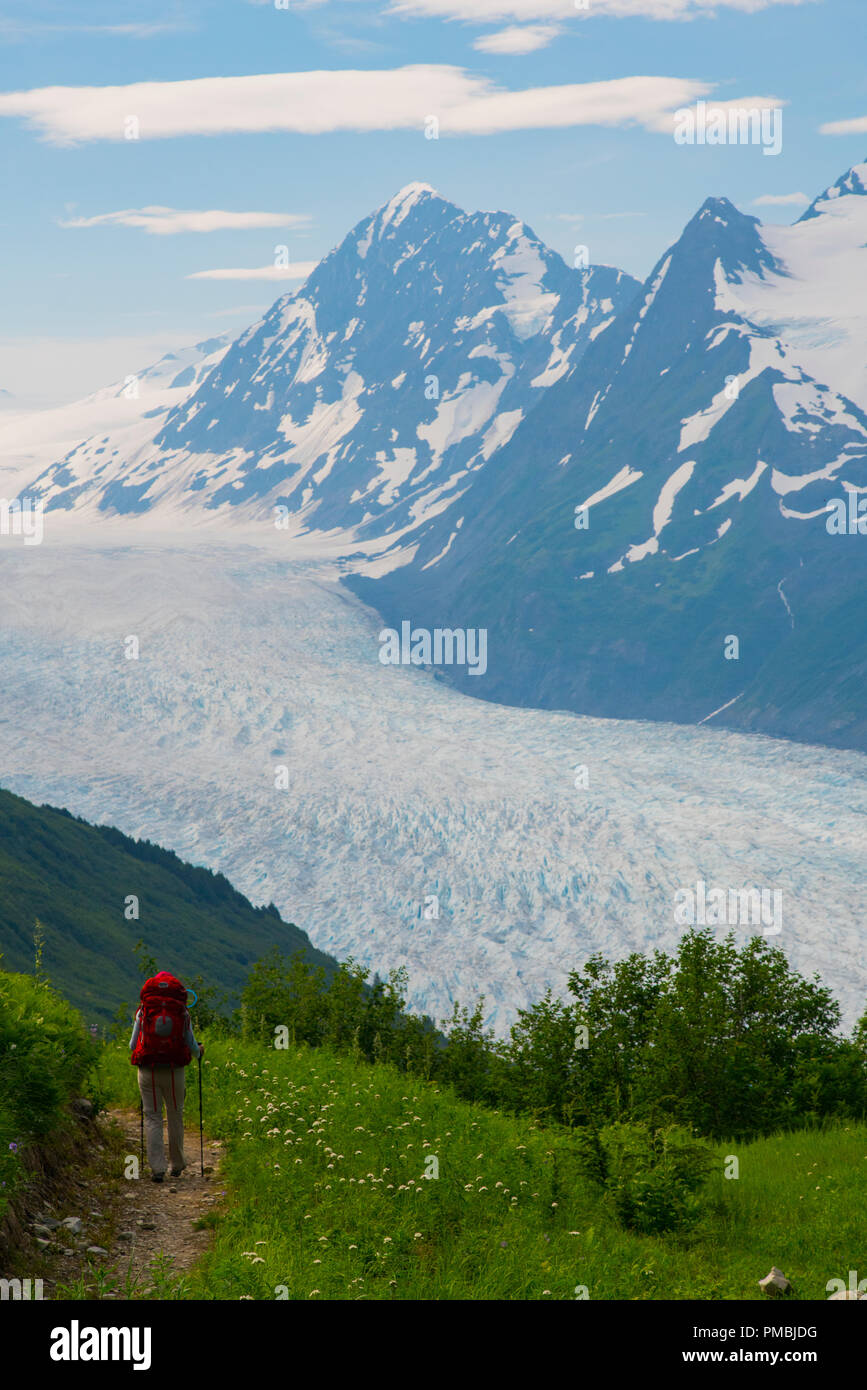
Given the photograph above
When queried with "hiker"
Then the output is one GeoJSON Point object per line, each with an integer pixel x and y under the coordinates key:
{"type": "Point", "coordinates": [162, 1044]}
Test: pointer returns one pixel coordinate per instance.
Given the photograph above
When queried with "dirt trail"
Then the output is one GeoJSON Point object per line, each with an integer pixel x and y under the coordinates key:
{"type": "Point", "coordinates": [153, 1219]}
{"type": "Point", "coordinates": [89, 1231]}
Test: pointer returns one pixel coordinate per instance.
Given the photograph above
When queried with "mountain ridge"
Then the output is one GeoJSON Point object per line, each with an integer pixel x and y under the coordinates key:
{"type": "Point", "coordinates": [689, 427]}
{"type": "Point", "coordinates": [366, 398]}
{"type": "Point", "coordinates": [445, 396]}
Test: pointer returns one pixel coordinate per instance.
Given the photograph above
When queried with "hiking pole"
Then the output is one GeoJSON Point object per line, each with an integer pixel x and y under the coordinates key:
{"type": "Point", "coordinates": [201, 1127]}
{"type": "Point", "coordinates": [141, 1132]}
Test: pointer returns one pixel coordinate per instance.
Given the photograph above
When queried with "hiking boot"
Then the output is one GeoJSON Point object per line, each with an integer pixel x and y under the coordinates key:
{"type": "Point", "coordinates": [157, 1177]}
{"type": "Point", "coordinates": [176, 1172]}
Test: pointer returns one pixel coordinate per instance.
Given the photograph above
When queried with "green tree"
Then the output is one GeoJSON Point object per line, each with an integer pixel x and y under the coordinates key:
{"type": "Point", "coordinates": [543, 1074]}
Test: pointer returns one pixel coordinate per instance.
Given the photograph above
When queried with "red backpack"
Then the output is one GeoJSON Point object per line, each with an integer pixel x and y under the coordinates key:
{"type": "Point", "coordinates": [164, 1021]}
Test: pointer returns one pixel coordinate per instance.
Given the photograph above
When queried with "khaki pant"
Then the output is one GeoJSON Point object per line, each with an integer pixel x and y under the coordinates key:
{"type": "Point", "coordinates": [157, 1081]}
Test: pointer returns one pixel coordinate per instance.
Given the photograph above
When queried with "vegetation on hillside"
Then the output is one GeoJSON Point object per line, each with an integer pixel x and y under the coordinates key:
{"type": "Point", "coordinates": [46, 1056]}
{"type": "Point", "coordinates": [79, 880]}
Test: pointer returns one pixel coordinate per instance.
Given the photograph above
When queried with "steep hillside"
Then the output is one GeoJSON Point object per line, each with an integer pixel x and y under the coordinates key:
{"type": "Point", "coordinates": [77, 878]}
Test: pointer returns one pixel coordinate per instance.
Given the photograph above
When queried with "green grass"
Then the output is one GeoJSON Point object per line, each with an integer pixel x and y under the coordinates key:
{"type": "Point", "coordinates": [326, 1197]}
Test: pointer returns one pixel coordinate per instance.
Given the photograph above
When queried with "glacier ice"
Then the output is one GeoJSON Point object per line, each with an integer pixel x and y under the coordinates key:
{"type": "Point", "coordinates": [253, 656]}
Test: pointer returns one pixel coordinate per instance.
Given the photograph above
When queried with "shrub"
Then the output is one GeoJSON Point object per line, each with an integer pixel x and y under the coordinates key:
{"type": "Point", "coordinates": [651, 1177]}
{"type": "Point", "coordinates": [45, 1056]}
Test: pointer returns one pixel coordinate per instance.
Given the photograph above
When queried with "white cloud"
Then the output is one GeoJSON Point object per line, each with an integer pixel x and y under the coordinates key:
{"type": "Point", "coordinates": [297, 270]}
{"type": "Point", "coordinates": [780, 199]}
{"type": "Point", "coordinates": [518, 38]}
{"type": "Point", "coordinates": [857, 126]}
{"type": "Point", "coordinates": [159, 221]}
{"type": "Point", "coordinates": [524, 11]}
{"type": "Point", "coordinates": [664, 122]}
{"type": "Point", "coordinates": [306, 102]}
{"type": "Point", "coordinates": [318, 102]}
{"type": "Point", "coordinates": [647, 101]}
{"type": "Point", "coordinates": [14, 29]}
{"type": "Point", "coordinates": [486, 11]}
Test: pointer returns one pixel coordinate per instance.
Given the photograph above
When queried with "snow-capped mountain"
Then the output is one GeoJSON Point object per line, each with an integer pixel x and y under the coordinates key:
{"type": "Point", "coordinates": [815, 300]}
{"type": "Point", "coordinates": [368, 398]}
{"type": "Point", "coordinates": [115, 420]}
{"type": "Point", "coordinates": [674, 493]}
{"type": "Point", "coordinates": [611, 527]}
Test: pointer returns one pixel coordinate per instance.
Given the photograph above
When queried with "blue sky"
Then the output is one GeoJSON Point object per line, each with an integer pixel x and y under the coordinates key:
{"type": "Point", "coordinates": [85, 304]}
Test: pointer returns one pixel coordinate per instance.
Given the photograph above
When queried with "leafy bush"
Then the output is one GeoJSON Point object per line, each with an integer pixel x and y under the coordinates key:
{"type": "Point", "coordinates": [341, 1010]}
{"type": "Point", "coordinates": [45, 1056]}
{"type": "Point", "coordinates": [728, 1042]}
{"type": "Point", "coordinates": [651, 1177]}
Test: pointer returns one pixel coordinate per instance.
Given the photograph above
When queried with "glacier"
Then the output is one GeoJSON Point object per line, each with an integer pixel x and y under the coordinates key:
{"type": "Point", "coordinates": [254, 657]}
